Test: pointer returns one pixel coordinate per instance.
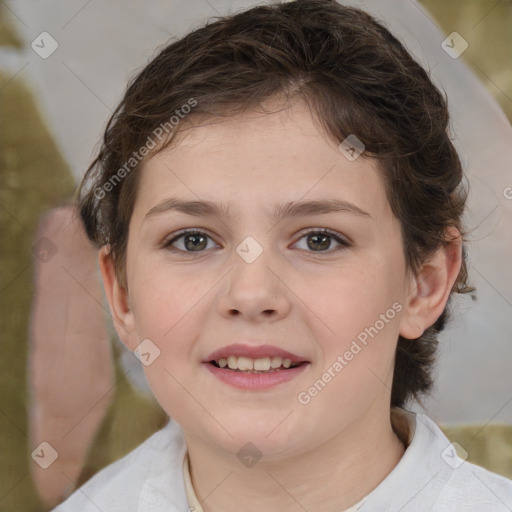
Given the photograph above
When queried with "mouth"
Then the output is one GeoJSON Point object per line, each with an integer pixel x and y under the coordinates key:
{"type": "Point", "coordinates": [254, 367]}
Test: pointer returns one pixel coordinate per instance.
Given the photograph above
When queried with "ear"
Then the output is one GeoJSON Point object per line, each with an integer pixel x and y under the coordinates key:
{"type": "Point", "coordinates": [430, 289]}
{"type": "Point", "coordinates": [117, 298]}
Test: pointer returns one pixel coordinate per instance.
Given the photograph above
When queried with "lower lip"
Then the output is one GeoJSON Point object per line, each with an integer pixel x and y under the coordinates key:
{"type": "Point", "coordinates": [255, 381]}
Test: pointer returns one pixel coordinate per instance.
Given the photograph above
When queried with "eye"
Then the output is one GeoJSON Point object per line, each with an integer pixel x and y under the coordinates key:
{"type": "Point", "coordinates": [319, 240]}
{"type": "Point", "coordinates": [195, 241]}
{"type": "Point", "coordinates": [192, 241]}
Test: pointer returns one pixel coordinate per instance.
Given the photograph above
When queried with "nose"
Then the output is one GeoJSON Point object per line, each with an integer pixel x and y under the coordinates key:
{"type": "Point", "coordinates": [255, 291]}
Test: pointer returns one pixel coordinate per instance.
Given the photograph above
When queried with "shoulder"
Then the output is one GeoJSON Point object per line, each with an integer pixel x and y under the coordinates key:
{"type": "Point", "coordinates": [471, 488]}
{"type": "Point", "coordinates": [432, 477]}
{"type": "Point", "coordinates": [119, 486]}
{"type": "Point", "coordinates": [461, 485]}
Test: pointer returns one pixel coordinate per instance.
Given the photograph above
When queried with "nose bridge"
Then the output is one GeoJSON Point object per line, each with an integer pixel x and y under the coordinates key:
{"type": "Point", "coordinates": [254, 288]}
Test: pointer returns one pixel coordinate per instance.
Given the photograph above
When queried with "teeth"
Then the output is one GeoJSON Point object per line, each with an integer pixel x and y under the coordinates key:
{"type": "Point", "coordinates": [244, 363]}
{"type": "Point", "coordinates": [276, 362]}
{"type": "Point", "coordinates": [262, 364]}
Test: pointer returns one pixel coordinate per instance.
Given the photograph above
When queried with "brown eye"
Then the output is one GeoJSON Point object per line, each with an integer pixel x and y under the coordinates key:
{"type": "Point", "coordinates": [322, 240]}
{"type": "Point", "coordinates": [188, 241]}
{"type": "Point", "coordinates": [195, 242]}
{"type": "Point", "coordinates": [319, 241]}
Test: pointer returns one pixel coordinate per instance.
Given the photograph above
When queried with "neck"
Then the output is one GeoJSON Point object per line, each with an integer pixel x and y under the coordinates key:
{"type": "Point", "coordinates": [332, 477]}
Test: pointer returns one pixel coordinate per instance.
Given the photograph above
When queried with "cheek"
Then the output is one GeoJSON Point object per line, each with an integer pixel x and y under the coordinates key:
{"type": "Point", "coordinates": [352, 297]}
{"type": "Point", "coordinates": [358, 359]}
{"type": "Point", "coordinates": [169, 309]}
{"type": "Point", "coordinates": [359, 307]}
{"type": "Point", "coordinates": [163, 299]}
{"type": "Point", "coordinates": [166, 312]}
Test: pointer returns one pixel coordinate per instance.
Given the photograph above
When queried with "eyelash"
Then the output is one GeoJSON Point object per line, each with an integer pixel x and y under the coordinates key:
{"type": "Point", "coordinates": [167, 244]}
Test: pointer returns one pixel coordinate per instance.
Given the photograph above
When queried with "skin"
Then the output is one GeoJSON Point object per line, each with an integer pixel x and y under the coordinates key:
{"type": "Point", "coordinates": [330, 453]}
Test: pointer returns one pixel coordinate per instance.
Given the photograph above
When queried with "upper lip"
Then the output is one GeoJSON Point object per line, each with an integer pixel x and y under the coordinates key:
{"type": "Point", "coordinates": [253, 352]}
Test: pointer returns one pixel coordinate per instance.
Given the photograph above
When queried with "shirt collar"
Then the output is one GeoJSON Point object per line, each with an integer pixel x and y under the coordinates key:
{"type": "Point", "coordinates": [415, 482]}
{"type": "Point", "coordinates": [164, 488]}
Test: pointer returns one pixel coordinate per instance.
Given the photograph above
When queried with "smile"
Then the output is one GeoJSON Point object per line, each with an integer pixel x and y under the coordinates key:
{"type": "Point", "coordinates": [254, 367]}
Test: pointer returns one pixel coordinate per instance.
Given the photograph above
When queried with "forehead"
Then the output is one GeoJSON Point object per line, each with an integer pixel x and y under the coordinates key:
{"type": "Point", "coordinates": [256, 160]}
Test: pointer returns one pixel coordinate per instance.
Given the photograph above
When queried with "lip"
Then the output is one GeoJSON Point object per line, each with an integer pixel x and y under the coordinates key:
{"type": "Point", "coordinates": [254, 381]}
{"type": "Point", "coordinates": [253, 352]}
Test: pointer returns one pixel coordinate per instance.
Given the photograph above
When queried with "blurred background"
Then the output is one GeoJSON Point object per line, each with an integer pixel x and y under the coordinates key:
{"type": "Point", "coordinates": [63, 68]}
{"type": "Point", "coordinates": [487, 27]}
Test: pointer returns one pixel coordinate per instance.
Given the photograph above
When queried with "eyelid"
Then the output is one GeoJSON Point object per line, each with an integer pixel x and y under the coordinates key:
{"type": "Point", "coordinates": [335, 234]}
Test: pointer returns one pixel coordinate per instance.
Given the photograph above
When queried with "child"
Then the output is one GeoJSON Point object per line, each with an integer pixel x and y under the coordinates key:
{"type": "Point", "coordinates": [278, 209]}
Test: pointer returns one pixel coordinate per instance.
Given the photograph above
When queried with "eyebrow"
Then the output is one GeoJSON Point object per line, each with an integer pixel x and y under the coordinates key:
{"type": "Point", "coordinates": [278, 212]}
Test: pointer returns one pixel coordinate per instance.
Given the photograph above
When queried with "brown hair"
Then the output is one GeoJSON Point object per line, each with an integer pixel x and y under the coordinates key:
{"type": "Point", "coordinates": [356, 77]}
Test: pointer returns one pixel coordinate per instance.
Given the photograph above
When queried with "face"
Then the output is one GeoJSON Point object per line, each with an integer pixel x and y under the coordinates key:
{"type": "Point", "coordinates": [324, 289]}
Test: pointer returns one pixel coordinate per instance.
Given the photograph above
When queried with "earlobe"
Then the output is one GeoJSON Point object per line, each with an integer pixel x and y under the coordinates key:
{"type": "Point", "coordinates": [431, 287]}
{"type": "Point", "coordinates": [117, 297]}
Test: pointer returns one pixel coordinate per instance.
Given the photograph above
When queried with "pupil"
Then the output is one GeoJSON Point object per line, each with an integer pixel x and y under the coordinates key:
{"type": "Point", "coordinates": [319, 239]}
{"type": "Point", "coordinates": [200, 242]}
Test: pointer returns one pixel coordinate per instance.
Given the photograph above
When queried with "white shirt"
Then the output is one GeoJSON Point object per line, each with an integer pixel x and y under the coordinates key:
{"type": "Point", "coordinates": [429, 477]}
{"type": "Point", "coordinates": [195, 505]}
